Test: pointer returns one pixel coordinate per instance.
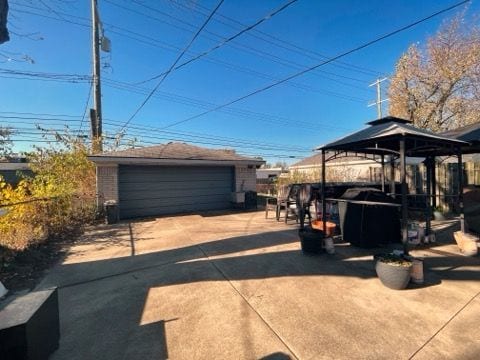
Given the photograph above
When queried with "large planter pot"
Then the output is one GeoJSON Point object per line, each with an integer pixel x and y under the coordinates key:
{"type": "Point", "coordinates": [311, 240]}
{"type": "Point", "coordinates": [392, 275]}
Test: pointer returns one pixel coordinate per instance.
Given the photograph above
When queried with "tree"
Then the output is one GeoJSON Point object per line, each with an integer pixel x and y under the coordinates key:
{"type": "Point", "coordinates": [5, 142]}
{"type": "Point", "coordinates": [438, 86]}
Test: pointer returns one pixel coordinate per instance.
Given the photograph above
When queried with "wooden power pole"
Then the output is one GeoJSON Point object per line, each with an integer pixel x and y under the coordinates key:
{"type": "Point", "coordinates": [96, 112]}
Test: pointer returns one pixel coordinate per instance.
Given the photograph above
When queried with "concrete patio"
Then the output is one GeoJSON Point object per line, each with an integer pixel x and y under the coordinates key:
{"type": "Point", "coordinates": [237, 286]}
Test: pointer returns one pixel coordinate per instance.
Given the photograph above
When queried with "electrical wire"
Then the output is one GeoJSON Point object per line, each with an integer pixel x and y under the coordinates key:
{"type": "Point", "coordinates": [86, 104]}
{"type": "Point", "coordinates": [157, 43]}
{"type": "Point", "coordinates": [174, 63]}
{"type": "Point", "coordinates": [299, 49]}
{"type": "Point", "coordinates": [199, 138]}
{"type": "Point", "coordinates": [278, 120]}
{"type": "Point", "coordinates": [233, 37]}
{"type": "Point", "coordinates": [242, 47]}
{"type": "Point", "coordinates": [339, 56]}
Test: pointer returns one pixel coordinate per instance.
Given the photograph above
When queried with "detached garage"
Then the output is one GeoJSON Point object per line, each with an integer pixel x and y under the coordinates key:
{"type": "Point", "coordinates": [173, 178]}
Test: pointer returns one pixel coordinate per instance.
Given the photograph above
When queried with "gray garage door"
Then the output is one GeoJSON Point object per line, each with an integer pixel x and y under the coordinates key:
{"type": "Point", "coordinates": [157, 190]}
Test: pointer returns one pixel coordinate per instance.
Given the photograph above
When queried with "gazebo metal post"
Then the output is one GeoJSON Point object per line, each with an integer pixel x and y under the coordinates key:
{"type": "Point", "coordinates": [392, 175]}
{"type": "Point", "coordinates": [460, 190]}
{"type": "Point", "coordinates": [324, 203]}
{"type": "Point", "coordinates": [404, 196]}
{"type": "Point", "coordinates": [383, 172]}
{"type": "Point", "coordinates": [434, 182]}
{"type": "Point", "coordinates": [428, 199]}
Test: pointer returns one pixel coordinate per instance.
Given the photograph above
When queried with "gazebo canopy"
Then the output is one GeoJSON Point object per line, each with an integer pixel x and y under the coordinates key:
{"type": "Point", "coordinates": [397, 137]}
{"type": "Point", "coordinates": [383, 136]}
{"type": "Point", "coordinates": [470, 133]}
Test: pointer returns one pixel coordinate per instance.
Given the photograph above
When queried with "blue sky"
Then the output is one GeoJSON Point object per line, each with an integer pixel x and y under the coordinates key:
{"type": "Point", "coordinates": [283, 123]}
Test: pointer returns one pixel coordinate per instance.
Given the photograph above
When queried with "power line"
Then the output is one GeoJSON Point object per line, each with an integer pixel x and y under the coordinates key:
{"type": "Point", "coordinates": [86, 104]}
{"type": "Point", "coordinates": [199, 138]}
{"type": "Point", "coordinates": [300, 50]}
{"type": "Point", "coordinates": [205, 105]}
{"type": "Point", "coordinates": [157, 43]}
{"type": "Point", "coordinates": [26, 136]}
{"type": "Point", "coordinates": [240, 46]}
{"type": "Point", "coordinates": [16, 118]}
{"type": "Point", "coordinates": [174, 63]}
{"type": "Point", "coordinates": [43, 131]}
{"type": "Point", "coordinates": [363, 46]}
{"type": "Point", "coordinates": [39, 114]}
{"type": "Point", "coordinates": [233, 37]}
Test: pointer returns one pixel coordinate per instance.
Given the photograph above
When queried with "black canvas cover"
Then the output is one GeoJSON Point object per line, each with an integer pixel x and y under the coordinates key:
{"type": "Point", "coordinates": [368, 225]}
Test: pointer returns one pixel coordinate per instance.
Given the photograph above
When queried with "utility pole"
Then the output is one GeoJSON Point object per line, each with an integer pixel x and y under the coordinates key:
{"type": "Point", "coordinates": [96, 114]}
{"type": "Point", "coordinates": [379, 96]}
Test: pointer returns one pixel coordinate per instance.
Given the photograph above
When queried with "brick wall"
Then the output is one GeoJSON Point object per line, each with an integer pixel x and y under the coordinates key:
{"type": "Point", "coordinates": [107, 183]}
{"type": "Point", "coordinates": [245, 178]}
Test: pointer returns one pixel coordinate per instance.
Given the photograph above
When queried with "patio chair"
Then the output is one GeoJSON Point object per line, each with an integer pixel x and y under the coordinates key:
{"type": "Point", "coordinates": [278, 203]}
{"type": "Point", "coordinates": [270, 205]}
{"type": "Point", "coordinates": [304, 199]}
{"type": "Point", "coordinates": [289, 204]}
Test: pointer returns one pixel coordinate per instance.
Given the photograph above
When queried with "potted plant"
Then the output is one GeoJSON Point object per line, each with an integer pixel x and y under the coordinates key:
{"type": "Point", "coordinates": [393, 270]}
{"type": "Point", "coordinates": [311, 239]}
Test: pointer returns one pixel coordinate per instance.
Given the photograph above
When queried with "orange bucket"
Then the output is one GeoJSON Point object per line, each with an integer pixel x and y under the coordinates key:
{"type": "Point", "coordinates": [330, 228]}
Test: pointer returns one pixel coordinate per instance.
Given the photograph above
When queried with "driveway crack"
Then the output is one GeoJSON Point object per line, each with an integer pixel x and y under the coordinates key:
{"type": "Point", "coordinates": [224, 275]}
{"type": "Point", "coordinates": [444, 325]}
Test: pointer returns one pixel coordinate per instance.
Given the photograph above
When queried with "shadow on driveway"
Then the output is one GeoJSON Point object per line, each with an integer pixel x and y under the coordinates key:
{"type": "Point", "coordinates": [109, 307]}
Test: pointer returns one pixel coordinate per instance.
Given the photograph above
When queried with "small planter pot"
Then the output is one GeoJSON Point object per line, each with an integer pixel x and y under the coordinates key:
{"type": "Point", "coordinates": [311, 240]}
{"type": "Point", "coordinates": [393, 275]}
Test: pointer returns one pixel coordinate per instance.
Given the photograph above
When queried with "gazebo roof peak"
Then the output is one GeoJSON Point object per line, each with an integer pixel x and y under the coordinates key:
{"type": "Point", "coordinates": [388, 119]}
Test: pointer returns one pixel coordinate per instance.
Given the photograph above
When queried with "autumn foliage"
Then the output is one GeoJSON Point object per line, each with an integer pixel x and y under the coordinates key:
{"type": "Point", "coordinates": [437, 85]}
{"type": "Point", "coordinates": [55, 202]}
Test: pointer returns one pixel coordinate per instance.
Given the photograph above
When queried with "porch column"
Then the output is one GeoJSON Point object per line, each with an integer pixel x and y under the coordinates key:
{"type": "Point", "coordinates": [404, 196]}
{"type": "Point", "coordinates": [460, 191]}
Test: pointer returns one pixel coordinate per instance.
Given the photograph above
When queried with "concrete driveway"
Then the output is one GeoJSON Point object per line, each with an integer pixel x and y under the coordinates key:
{"type": "Point", "coordinates": [237, 286]}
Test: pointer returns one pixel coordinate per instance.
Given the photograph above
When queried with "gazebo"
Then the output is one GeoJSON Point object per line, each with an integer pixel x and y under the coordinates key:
{"type": "Point", "coordinates": [392, 138]}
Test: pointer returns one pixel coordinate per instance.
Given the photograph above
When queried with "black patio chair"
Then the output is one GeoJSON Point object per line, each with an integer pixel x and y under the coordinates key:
{"type": "Point", "coordinates": [290, 203]}
{"type": "Point", "coordinates": [304, 199]}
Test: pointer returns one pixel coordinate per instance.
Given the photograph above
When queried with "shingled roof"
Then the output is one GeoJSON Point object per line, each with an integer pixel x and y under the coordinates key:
{"type": "Point", "coordinates": [174, 151]}
{"type": "Point", "coordinates": [470, 133]}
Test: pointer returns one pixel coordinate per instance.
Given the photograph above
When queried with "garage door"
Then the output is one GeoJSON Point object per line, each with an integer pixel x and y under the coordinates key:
{"type": "Point", "coordinates": [158, 190]}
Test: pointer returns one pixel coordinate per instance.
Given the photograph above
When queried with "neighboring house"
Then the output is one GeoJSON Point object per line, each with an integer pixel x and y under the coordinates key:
{"type": "Point", "coordinates": [173, 178]}
{"type": "Point", "coordinates": [266, 178]}
{"type": "Point", "coordinates": [13, 169]}
{"type": "Point", "coordinates": [268, 173]}
{"type": "Point", "coordinates": [345, 169]}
